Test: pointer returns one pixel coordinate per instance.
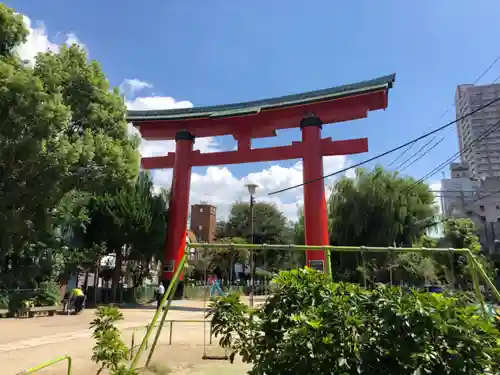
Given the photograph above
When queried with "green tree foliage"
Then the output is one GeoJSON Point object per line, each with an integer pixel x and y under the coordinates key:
{"type": "Point", "coordinates": [377, 208]}
{"type": "Point", "coordinates": [57, 250]}
{"type": "Point", "coordinates": [131, 222]}
{"type": "Point", "coordinates": [220, 260]}
{"type": "Point", "coordinates": [462, 234]}
{"type": "Point", "coordinates": [61, 129]}
{"type": "Point", "coordinates": [12, 30]}
{"type": "Point", "coordinates": [270, 224]}
{"type": "Point", "coordinates": [373, 209]}
{"type": "Point", "coordinates": [300, 229]}
{"type": "Point", "coordinates": [313, 326]}
{"type": "Point", "coordinates": [270, 227]}
{"type": "Point", "coordinates": [110, 352]}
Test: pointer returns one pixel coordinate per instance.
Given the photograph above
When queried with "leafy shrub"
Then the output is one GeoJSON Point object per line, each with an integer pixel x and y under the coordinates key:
{"type": "Point", "coordinates": [4, 301]}
{"type": "Point", "coordinates": [314, 326]}
{"type": "Point", "coordinates": [21, 299]}
{"type": "Point", "coordinates": [48, 294]}
{"type": "Point", "coordinates": [110, 350]}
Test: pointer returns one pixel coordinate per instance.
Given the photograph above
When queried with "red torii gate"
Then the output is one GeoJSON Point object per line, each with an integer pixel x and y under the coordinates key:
{"type": "Point", "coordinates": [259, 119]}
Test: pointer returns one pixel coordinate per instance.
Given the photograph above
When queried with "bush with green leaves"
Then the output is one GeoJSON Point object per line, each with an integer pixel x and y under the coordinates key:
{"type": "Point", "coordinates": [110, 352]}
{"type": "Point", "coordinates": [4, 300]}
{"type": "Point", "coordinates": [48, 294]}
{"type": "Point", "coordinates": [314, 326]}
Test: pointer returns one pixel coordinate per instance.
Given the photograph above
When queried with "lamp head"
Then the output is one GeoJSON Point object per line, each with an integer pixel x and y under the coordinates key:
{"type": "Point", "coordinates": [251, 188]}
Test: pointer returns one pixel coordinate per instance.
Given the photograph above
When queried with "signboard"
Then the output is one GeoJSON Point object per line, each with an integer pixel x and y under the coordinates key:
{"type": "Point", "coordinates": [169, 267]}
{"type": "Point", "coordinates": [317, 265]}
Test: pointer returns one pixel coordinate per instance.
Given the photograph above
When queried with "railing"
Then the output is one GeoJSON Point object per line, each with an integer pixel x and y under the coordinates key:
{"type": "Point", "coordinates": [170, 322]}
{"type": "Point", "coordinates": [48, 364]}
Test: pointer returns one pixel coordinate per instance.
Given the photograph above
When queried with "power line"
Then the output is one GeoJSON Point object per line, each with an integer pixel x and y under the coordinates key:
{"type": "Point", "coordinates": [463, 203]}
{"type": "Point", "coordinates": [482, 137]}
{"type": "Point", "coordinates": [456, 191]}
{"type": "Point", "coordinates": [428, 150]}
{"type": "Point", "coordinates": [442, 137]}
{"type": "Point", "coordinates": [408, 159]}
{"type": "Point", "coordinates": [389, 151]}
{"type": "Point", "coordinates": [415, 142]}
{"type": "Point", "coordinates": [425, 153]}
{"type": "Point", "coordinates": [440, 117]}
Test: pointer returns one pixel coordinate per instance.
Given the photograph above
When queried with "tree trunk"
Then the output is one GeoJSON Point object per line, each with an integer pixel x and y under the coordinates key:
{"type": "Point", "coordinates": [117, 273]}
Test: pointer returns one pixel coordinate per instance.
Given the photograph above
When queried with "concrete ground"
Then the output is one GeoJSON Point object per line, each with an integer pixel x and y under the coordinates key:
{"type": "Point", "coordinates": [25, 343]}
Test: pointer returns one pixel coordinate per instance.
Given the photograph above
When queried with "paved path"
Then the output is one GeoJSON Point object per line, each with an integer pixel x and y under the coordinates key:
{"type": "Point", "coordinates": [28, 342]}
{"type": "Point", "coordinates": [25, 343]}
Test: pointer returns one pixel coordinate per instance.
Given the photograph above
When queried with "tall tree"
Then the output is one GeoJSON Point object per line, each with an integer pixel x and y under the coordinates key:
{"type": "Point", "coordinates": [270, 227]}
{"type": "Point", "coordinates": [131, 222]}
{"type": "Point", "coordinates": [378, 208]}
{"type": "Point", "coordinates": [270, 224]}
{"type": "Point", "coordinates": [61, 129]}
{"type": "Point", "coordinates": [462, 234]}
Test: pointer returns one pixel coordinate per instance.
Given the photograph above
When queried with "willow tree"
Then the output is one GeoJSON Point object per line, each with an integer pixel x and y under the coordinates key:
{"type": "Point", "coordinates": [376, 208]}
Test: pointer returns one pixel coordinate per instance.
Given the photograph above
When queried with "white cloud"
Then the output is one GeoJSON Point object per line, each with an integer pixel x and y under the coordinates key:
{"type": "Point", "coordinates": [156, 148]}
{"type": "Point", "coordinates": [218, 185]}
{"type": "Point", "coordinates": [130, 87]}
{"type": "Point", "coordinates": [38, 41]}
{"type": "Point", "coordinates": [157, 102]}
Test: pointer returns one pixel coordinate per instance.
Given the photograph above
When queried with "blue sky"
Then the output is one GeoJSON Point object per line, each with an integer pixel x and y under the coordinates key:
{"type": "Point", "coordinates": [215, 52]}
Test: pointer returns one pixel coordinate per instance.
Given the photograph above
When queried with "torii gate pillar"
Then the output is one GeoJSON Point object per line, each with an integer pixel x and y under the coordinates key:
{"type": "Point", "coordinates": [315, 216]}
{"type": "Point", "coordinates": [178, 210]}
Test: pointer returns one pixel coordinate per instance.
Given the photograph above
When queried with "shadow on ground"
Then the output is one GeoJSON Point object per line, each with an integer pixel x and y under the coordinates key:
{"type": "Point", "coordinates": [172, 308]}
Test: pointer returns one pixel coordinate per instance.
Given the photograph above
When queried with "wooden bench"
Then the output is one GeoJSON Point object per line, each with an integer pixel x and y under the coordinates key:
{"type": "Point", "coordinates": [38, 311]}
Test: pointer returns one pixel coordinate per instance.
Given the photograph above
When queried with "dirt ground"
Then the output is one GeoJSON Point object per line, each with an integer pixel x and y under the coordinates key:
{"type": "Point", "coordinates": [25, 343]}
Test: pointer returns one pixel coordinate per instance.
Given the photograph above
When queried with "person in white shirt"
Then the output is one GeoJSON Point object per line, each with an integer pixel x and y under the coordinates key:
{"type": "Point", "coordinates": [159, 294]}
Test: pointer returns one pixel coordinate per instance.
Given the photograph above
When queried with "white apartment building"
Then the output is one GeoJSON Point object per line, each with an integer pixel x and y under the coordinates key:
{"type": "Point", "coordinates": [476, 199]}
{"type": "Point", "coordinates": [458, 190]}
{"type": "Point", "coordinates": [482, 157]}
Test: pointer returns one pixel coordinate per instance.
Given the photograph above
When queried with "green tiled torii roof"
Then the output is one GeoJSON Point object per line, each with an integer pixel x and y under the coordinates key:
{"type": "Point", "coordinates": [228, 110]}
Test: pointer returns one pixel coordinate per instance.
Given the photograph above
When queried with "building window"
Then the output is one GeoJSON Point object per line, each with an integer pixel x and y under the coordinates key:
{"type": "Point", "coordinates": [481, 208]}
{"type": "Point", "coordinates": [201, 209]}
{"type": "Point", "coordinates": [498, 206]}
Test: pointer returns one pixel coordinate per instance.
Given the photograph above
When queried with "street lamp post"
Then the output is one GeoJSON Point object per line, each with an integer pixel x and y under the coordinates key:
{"type": "Point", "coordinates": [251, 190]}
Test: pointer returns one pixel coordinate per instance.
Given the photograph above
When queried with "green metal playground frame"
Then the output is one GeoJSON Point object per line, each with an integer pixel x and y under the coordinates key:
{"type": "Point", "coordinates": [48, 364]}
{"type": "Point", "coordinates": [477, 272]}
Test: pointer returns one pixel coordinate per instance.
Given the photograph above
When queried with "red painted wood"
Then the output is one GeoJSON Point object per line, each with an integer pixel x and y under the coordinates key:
{"type": "Point", "coordinates": [264, 123]}
{"type": "Point", "coordinates": [328, 147]}
{"type": "Point", "coordinates": [179, 206]}
{"type": "Point", "coordinates": [316, 222]}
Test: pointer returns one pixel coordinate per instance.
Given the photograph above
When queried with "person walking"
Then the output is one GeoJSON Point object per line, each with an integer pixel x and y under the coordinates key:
{"type": "Point", "coordinates": [159, 294]}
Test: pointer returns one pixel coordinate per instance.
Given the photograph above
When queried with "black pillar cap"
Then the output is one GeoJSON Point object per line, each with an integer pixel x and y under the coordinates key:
{"type": "Point", "coordinates": [310, 119]}
{"type": "Point", "coordinates": [184, 135]}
